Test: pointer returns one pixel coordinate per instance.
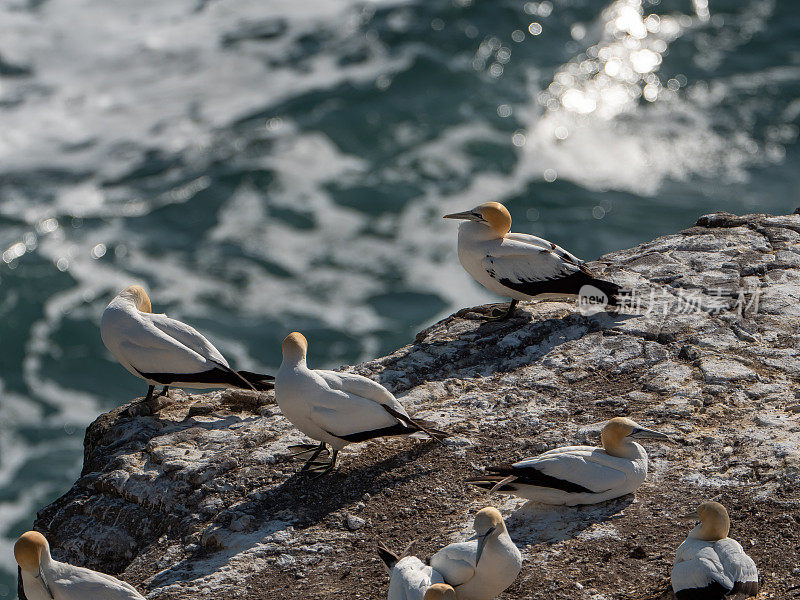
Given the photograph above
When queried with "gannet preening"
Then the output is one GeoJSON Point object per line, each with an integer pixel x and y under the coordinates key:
{"type": "Point", "coordinates": [336, 408]}
{"type": "Point", "coordinates": [579, 474]}
{"type": "Point", "coordinates": [708, 564]}
{"type": "Point", "coordinates": [46, 579]}
{"type": "Point", "coordinates": [163, 351]}
{"type": "Point", "coordinates": [483, 567]}
{"type": "Point", "coordinates": [411, 579]}
{"type": "Point", "coordinates": [517, 265]}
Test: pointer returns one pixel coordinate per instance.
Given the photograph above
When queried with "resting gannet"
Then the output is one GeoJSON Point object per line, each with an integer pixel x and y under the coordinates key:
{"type": "Point", "coordinates": [336, 408]}
{"type": "Point", "coordinates": [517, 265]}
{"type": "Point", "coordinates": [708, 564]}
{"type": "Point", "coordinates": [164, 351]}
{"type": "Point", "coordinates": [411, 579]}
{"type": "Point", "coordinates": [483, 567]}
{"type": "Point", "coordinates": [46, 579]}
{"type": "Point", "coordinates": [579, 474]}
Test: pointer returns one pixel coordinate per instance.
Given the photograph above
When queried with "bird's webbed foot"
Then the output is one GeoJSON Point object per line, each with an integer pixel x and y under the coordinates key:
{"type": "Point", "coordinates": [499, 315]}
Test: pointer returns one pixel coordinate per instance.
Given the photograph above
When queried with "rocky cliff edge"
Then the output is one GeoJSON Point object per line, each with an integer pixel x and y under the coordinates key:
{"type": "Point", "coordinates": [200, 500]}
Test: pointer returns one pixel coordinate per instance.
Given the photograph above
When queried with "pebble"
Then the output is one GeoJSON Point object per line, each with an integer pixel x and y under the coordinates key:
{"type": "Point", "coordinates": [354, 523]}
{"type": "Point", "coordinates": [284, 560]}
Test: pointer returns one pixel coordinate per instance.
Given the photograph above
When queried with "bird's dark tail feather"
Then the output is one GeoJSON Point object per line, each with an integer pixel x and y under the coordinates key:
{"type": "Point", "coordinates": [614, 292]}
{"type": "Point", "coordinates": [259, 381]}
{"type": "Point", "coordinates": [388, 557]}
{"type": "Point", "coordinates": [489, 482]}
{"type": "Point", "coordinates": [419, 425]}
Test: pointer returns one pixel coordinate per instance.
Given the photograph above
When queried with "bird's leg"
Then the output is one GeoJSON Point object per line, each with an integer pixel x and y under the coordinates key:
{"type": "Point", "coordinates": [511, 306]}
{"type": "Point", "coordinates": [310, 462]}
{"type": "Point", "coordinates": [323, 469]}
{"type": "Point", "coordinates": [143, 402]}
{"type": "Point", "coordinates": [306, 448]}
{"type": "Point", "coordinates": [165, 391]}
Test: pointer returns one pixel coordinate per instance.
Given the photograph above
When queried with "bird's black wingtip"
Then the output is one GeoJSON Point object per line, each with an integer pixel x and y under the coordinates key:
{"type": "Point", "coordinates": [388, 557]}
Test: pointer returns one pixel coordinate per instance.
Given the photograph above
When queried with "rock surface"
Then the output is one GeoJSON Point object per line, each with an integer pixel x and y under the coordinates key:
{"type": "Point", "coordinates": [200, 500]}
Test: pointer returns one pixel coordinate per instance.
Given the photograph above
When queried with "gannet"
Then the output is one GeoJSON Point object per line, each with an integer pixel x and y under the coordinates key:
{"type": "Point", "coordinates": [411, 579]}
{"type": "Point", "coordinates": [579, 474]}
{"type": "Point", "coordinates": [708, 564]}
{"type": "Point", "coordinates": [336, 408]}
{"type": "Point", "coordinates": [163, 351]}
{"type": "Point", "coordinates": [483, 567]}
{"type": "Point", "coordinates": [517, 265]}
{"type": "Point", "coordinates": [46, 579]}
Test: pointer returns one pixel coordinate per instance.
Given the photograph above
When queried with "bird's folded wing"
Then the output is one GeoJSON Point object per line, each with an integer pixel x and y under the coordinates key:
{"type": "Point", "coordinates": [82, 584]}
{"type": "Point", "coordinates": [456, 562]}
{"type": "Point", "coordinates": [737, 565]}
{"type": "Point", "coordinates": [150, 350]}
{"type": "Point", "coordinates": [188, 336]}
{"type": "Point", "coordinates": [363, 387]}
{"type": "Point", "coordinates": [412, 577]}
{"type": "Point", "coordinates": [520, 262]}
{"type": "Point", "coordinates": [588, 468]}
{"type": "Point", "coordinates": [533, 240]}
{"type": "Point", "coordinates": [702, 569]}
{"type": "Point", "coordinates": [344, 414]}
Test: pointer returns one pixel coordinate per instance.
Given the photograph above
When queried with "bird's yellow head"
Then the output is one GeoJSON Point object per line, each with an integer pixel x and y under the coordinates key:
{"type": "Point", "coordinates": [294, 346]}
{"type": "Point", "coordinates": [488, 521]}
{"type": "Point", "coordinates": [492, 214]}
{"type": "Point", "coordinates": [28, 550]}
{"type": "Point", "coordinates": [440, 591]}
{"type": "Point", "coordinates": [621, 429]}
{"type": "Point", "coordinates": [139, 297]}
{"type": "Point", "coordinates": [714, 521]}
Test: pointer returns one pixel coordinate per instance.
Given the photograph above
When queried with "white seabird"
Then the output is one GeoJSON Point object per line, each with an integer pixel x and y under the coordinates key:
{"type": "Point", "coordinates": [411, 579]}
{"type": "Point", "coordinates": [708, 564]}
{"type": "Point", "coordinates": [46, 579]}
{"type": "Point", "coordinates": [163, 351]}
{"type": "Point", "coordinates": [521, 266]}
{"type": "Point", "coordinates": [579, 474]}
{"type": "Point", "coordinates": [483, 567]}
{"type": "Point", "coordinates": [336, 408]}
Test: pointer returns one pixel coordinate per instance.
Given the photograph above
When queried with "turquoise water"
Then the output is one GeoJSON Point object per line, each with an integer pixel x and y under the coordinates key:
{"type": "Point", "coordinates": [262, 169]}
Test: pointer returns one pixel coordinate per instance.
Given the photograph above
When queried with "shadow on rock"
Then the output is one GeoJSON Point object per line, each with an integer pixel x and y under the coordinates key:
{"type": "Point", "coordinates": [536, 523]}
{"type": "Point", "coordinates": [457, 347]}
{"type": "Point", "coordinates": [299, 502]}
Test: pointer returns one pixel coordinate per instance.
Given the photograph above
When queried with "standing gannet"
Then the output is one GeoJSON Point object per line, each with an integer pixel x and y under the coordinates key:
{"type": "Point", "coordinates": [411, 579]}
{"type": "Point", "coordinates": [483, 567]}
{"type": "Point", "coordinates": [579, 474]}
{"type": "Point", "coordinates": [164, 351]}
{"type": "Point", "coordinates": [336, 408]}
{"type": "Point", "coordinates": [708, 564]}
{"type": "Point", "coordinates": [46, 579]}
{"type": "Point", "coordinates": [517, 265]}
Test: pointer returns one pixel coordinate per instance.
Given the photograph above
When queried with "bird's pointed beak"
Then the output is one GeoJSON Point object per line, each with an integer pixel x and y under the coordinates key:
{"type": "Point", "coordinates": [481, 544]}
{"type": "Point", "coordinates": [44, 583]}
{"type": "Point", "coordinates": [467, 215]}
{"type": "Point", "coordinates": [643, 433]}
